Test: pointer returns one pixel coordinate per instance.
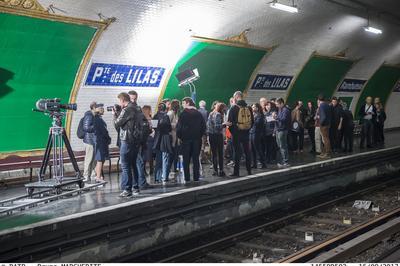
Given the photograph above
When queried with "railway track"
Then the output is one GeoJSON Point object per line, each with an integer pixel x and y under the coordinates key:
{"type": "Point", "coordinates": [304, 235]}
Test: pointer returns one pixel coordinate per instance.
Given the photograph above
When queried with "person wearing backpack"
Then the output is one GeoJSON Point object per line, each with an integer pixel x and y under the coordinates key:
{"type": "Point", "coordinates": [142, 132]}
{"type": "Point", "coordinates": [240, 121]}
{"type": "Point", "coordinates": [86, 133]}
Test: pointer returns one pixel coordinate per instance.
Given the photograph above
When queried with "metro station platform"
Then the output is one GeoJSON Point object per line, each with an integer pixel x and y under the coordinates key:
{"type": "Point", "coordinates": [112, 227]}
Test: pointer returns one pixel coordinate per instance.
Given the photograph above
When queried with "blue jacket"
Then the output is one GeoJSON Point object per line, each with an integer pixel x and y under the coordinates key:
{"type": "Point", "coordinates": [325, 114]}
{"type": "Point", "coordinates": [283, 120]}
{"type": "Point", "coordinates": [88, 127]}
{"type": "Point", "coordinates": [100, 130]}
{"type": "Point", "coordinates": [258, 127]}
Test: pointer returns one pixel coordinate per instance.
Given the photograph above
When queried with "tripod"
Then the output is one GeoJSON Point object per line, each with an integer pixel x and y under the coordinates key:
{"type": "Point", "coordinates": [55, 144]}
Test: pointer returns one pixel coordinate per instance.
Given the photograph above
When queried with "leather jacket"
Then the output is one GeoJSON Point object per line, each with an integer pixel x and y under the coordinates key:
{"type": "Point", "coordinates": [125, 123]}
{"type": "Point", "coordinates": [88, 127]}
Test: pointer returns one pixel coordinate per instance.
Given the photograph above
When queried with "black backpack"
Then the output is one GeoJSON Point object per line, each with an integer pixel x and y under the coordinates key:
{"type": "Point", "coordinates": [80, 132]}
{"type": "Point", "coordinates": [142, 127]}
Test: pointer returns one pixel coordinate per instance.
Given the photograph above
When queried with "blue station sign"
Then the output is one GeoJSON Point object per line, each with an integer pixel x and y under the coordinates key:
{"type": "Point", "coordinates": [351, 85]}
{"type": "Point", "coordinates": [271, 82]}
{"type": "Point", "coordinates": [101, 74]}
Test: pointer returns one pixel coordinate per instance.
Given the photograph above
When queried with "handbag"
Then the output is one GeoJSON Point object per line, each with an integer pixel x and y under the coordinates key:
{"type": "Point", "coordinates": [295, 126]}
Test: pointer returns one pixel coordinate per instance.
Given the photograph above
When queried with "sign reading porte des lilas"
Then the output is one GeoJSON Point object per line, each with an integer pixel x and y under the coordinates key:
{"type": "Point", "coordinates": [101, 74]}
{"type": "Point", "coordinates": [271, 82]}
{"type": "Point", "coordinates": [351, 85]}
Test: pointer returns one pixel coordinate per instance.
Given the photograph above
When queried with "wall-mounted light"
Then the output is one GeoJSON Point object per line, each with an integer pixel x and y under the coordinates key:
{"type": "Point", "coordinates": [373, 30]}
{"type": "Point", "coordinates": [291, 9]}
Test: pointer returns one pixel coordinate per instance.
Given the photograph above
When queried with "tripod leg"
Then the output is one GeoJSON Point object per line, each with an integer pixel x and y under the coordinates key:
{"type": "Point", "coordinates": [71, 155]}
{"type": "Point", "coordinates": [46, 157]}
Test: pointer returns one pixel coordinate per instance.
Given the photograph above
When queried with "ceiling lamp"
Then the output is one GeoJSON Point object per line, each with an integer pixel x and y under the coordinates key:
{"type": "Point", "coordinates": [291, 9]}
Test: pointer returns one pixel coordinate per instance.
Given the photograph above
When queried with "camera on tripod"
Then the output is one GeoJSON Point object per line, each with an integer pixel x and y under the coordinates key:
{"type": "Point", "coordinates": [54, 105]}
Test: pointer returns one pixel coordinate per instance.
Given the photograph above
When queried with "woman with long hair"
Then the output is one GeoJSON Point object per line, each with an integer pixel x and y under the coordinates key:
{"type": "Point", "coordinates": [101, 143]}
{"type": "Point", "coordinates": [270, 141]}
{"type": "Point", "coordinates": [309, 124]}
{"type": "Point", "coordinates": [173, 115]}
{"type": "Point", "coordinates": [297, 130]}
{"type": "Point", "coordinates": [257, 133]}
{"type": "Point", "coordinates": [215, 127]}
{"type": "Point", "coordinates": [147, 153]}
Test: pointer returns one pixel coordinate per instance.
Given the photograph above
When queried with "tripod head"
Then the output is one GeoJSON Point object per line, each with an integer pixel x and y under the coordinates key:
{"type": "Point", "coordinates": [56, 116]}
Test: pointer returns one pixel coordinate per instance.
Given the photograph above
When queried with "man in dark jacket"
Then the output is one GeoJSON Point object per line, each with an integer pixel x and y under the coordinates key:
{"type": "Point", "coordinates": [190, 129]}
{"type": "Point", "coordinates": [325, 117]}
{"type": "Point", "coordinates": [310, 124]}
{"type": "Point", "coordinates": [125, 123]}
{"type": "Point", "coordinates": [367, 115]}
{"type": "Point", "coordinates": [240, 122]}
{"type": "Point", "coordinates": [89, 140]}
{"type": "Point", "coordinates": [139, 161]}
{"type": "Point", "coordinates": [162, 144]}
{"type": "Point", "coordinates": [346, 126]}
{"type": "Point", "coordinates": [283, 124]}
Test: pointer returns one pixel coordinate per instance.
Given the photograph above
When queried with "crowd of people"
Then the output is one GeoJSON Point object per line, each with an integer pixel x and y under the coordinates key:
{"type": "Point", "coordinates": [179, 135]}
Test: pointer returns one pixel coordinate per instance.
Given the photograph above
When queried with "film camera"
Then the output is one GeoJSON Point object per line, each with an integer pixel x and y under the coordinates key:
{"type": "Point", "coordinates": [116, 107]}
{"type": "Point", "coordinates": [54, 105]}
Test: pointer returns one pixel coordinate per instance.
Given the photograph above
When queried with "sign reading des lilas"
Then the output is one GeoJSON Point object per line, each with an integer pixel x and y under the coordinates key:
{"type": "Point", "coordinates": [271, 82]}
{"type": "Point", "coordinates": [351, 85]}
{"type": "Point", "coordinates": [101, 74]}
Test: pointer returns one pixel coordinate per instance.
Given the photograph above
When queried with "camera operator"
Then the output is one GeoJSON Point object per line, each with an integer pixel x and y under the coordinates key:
{"type": "Point", "coordinates": [129, 147]}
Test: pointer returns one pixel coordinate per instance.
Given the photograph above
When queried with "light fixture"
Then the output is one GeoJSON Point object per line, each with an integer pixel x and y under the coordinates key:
{"type": "Point", "coordinates": [373, 30]}
{"type": "Point", "coordinates": [291, 9]}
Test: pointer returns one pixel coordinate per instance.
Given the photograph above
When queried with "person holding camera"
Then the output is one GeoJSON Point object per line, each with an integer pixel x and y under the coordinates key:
{"type": "Point", "coordinates": [129, 147]}
{"type": "Point", "coordinates": [103, 139]}
{"type": "Point", "coordinates": [367, 114]}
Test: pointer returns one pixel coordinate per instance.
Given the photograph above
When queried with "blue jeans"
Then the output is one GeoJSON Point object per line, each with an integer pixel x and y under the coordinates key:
{"type": "Point", "coordinates": [158, 167]}
{"type": "Point", "coordinates": [162, 168]}
{"type": "Point", "coordinates": [166, 165]}
{"type": "Point", "coordinates": [281, 141]}
{"type": "Point", "coordinates": [140, 169]}
{"type": "Point", "coordinates": [128, 153]}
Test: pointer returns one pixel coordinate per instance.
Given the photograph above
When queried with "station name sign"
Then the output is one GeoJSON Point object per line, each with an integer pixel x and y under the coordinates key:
{"type": "Point", "coordinates": [101, 74]}
{"type": "Point", "coordinates": [271, 82]}
{"type": "Point", "coordinates": [351, 85]}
